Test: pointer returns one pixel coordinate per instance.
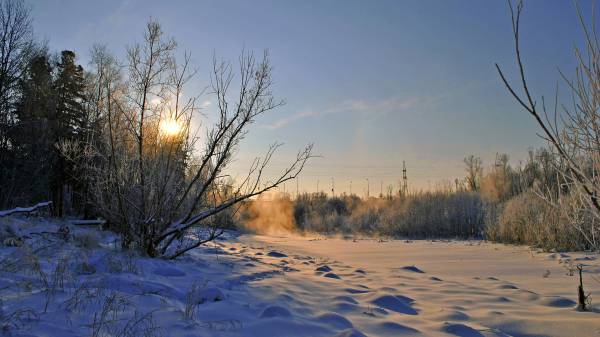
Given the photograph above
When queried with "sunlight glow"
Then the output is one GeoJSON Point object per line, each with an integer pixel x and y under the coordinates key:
{"type": "Point", "coordinates": [170, 127]}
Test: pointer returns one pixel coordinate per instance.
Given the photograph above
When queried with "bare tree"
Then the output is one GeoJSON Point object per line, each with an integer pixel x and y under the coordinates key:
{"type": "Point", "coordinates": [573, 130]}
{"type": "Point", "coordinates": [474, 170]}
{"type": "Point", "coordinates": [155, 183]}
{"type": "Point", "coordinates": [15, 45]}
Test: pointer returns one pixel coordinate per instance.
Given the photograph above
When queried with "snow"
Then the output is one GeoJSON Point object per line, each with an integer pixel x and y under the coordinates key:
{"type": "Point", "coordinates": [252, 285]}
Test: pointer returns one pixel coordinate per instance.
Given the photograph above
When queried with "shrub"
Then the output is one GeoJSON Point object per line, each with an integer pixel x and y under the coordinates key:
{"type": "Point", "coordinates": [426, 214]}
{"type": "Point", "coordinates": [528, 219]}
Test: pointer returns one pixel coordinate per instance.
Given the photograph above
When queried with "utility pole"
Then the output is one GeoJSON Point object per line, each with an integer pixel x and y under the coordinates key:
{"type": "Point", "coordinates": [381, 189]}
{"type": "Point", "coordinates": [368, 187]}
{"type": "Point", "coordinates": [350, 187]}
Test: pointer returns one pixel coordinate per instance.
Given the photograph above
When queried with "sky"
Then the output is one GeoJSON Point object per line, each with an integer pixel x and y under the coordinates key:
{"type": "Point", "coordinates": [372, 84]}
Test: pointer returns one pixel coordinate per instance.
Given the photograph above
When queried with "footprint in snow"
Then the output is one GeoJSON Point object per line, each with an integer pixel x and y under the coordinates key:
{"type": "Point", "coordinates": [356, 291]}
{"type": "Point", "coordinates": [332, 275]}
{"type": "Point", "coordinates": [585, 258]}
{"type": "Point", "coordinates": [412, 268]}
{"type": "Point", "coordinates": [276, 254]}
{"type": "Point", "coordinates": [461, 330]}
{"type": "Point", "coordinates": [323, 268]}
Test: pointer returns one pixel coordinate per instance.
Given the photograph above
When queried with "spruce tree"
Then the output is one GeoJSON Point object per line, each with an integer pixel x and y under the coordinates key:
{"type": "Point", "coordinates": [35, 132]}
{"type": "Point", "coordinates": [72, 125]}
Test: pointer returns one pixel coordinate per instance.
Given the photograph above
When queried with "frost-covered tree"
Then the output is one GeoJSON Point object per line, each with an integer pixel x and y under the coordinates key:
{"type": "Point", "coordinates": [158, 184]}
{"type": "Point", "coordinates": [572, 130]}
{"type": "Point", "coordinates": [474, 169]}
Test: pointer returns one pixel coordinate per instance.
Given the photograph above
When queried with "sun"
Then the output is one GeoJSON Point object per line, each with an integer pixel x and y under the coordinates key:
{"type": "Point", "coordinates": [170, 127]}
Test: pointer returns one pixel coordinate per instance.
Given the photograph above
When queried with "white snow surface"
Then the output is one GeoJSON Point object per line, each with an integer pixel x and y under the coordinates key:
{"type": "Point", "coordinates": [250, 285]}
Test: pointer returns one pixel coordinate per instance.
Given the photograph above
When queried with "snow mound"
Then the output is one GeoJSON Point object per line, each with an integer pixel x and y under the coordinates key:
{"type": "Point", "coordinates": [356, 291]}
{"type": "Point", "coordinates": [585, 258]}
{"type": "Point", "coordinates": [461, 330]}
{"type": "Point", "coordinates": [347, 299]}
{"type": "Point", "coordinates": [558, 302]}
{"type": "Point", "coordinates": [211, 294]}
{"type": "Point", "coordinates": [335, 320]}
{"type": "Point", "coordinates": [332, 275]}
{"type": "Point", "coordinates": [276, 254]}
{"type": "Point", "coordinates": [344, 307]}
{"type": "Point", "coordinates": [400, 304]}
{"type": "Point", "coordinates": [397, 329]}
{"type": "Point", "coordinates": [350, 333]}
{"type": "Point", "coordinates": [453, 315]}
{"type": "Point", "coordinates": [412, 268]}
{"type": "Point", "coordinates": [275, 311]}
{"type": "Point", "coordinates": [323, 268]}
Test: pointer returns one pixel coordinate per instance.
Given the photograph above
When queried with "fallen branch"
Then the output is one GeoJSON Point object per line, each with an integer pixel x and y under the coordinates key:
{"type": "Point", "coordinates": [31, 209]}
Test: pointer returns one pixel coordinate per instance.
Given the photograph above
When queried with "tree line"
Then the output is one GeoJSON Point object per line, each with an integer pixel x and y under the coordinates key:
{"type": "Point", "coordinates": [499, 201]}
{"type": "Point", "coordinates": [42, 102]}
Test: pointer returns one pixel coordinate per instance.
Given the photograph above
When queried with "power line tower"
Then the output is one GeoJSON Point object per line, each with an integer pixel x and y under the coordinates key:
{"type": "Point", "coordinates": [332, 187]}
{"type": "Point", "coordinates": [404, 180]}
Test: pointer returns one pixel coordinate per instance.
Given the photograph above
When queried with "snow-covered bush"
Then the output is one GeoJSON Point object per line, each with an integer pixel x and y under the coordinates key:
{"type": "Point", "coordinates": [425, 214]}
{"type": "Point", "coordinates": [528, 219]}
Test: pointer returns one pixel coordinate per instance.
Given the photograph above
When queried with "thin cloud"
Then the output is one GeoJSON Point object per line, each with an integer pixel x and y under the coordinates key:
{"type": "Point", "coordinates": [392, 105]}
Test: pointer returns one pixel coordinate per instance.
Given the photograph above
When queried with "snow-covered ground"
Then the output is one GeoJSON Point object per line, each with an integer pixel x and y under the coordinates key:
{"type": "Point", "coordinates": [252, 285]}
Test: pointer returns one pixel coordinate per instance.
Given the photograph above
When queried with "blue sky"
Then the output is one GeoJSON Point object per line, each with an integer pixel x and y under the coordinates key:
{"type": "Point", "coordinates": [370, 83]}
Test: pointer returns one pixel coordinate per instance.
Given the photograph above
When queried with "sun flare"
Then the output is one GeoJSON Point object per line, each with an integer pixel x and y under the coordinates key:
{"type": "Point", "coordinates": [170, 127]}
